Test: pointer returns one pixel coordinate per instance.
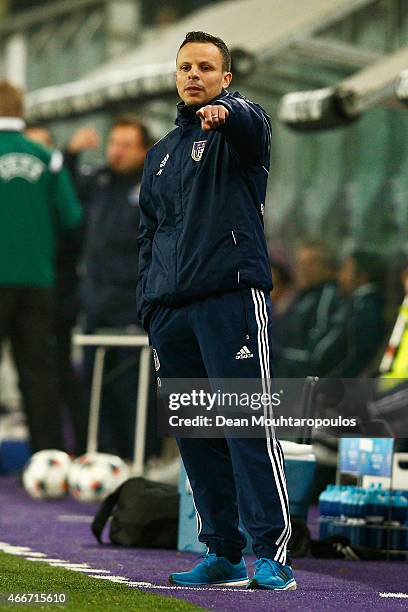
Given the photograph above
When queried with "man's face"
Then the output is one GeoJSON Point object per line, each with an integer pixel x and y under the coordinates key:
{"type": "Point", "coordinates": [200, 76]}
{"type": "Point", "coordinates": [39, 134]}
{"type": "Point", "coordinates": [310, 268]}
{"type": "Point", "coordinates": [125, 151]}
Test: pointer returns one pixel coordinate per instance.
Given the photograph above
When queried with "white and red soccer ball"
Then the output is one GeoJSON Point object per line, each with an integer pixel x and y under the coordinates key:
{"type": "Point", "coordinates": [46, 474]}
{"type": "Point", "coordinates": [94, 475]}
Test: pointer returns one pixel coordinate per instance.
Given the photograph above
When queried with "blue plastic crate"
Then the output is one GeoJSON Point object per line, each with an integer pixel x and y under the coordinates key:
{"type": "Point", "coordinates": [14, 454]}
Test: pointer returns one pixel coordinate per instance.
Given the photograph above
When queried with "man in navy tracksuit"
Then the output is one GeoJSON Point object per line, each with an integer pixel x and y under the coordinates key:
{"type": "Point", "coordinates": [204, 299]}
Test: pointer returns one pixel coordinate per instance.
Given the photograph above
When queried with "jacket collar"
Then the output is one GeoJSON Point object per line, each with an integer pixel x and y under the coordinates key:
{"type": "Point", "coordinates": [186, 115]}
{"type": "Point", "coordinates": [11, 124]}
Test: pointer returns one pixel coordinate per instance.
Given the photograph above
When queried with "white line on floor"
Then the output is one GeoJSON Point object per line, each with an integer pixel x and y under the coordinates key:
{"type": "Point", "coordinates": [14, 549]}
{"type": "Point", "coordinates": [121, 579]}
{"type": "Point", "coordinates": [75, 518]}
{"type": "Point", "coordinates": [149, 585]}
{"type": "Point", "coordinates": [23, 553]}
{"type": "Point", "coordinates": [46, 560]}
{"type": "Point", "coordinates": [88, 570]}
{"type": "Point", "coordinates": [396, 595]}
{"type": "Point", "coordinates": [68, 564]}
{"type": "Point", "coordinates": [101, 574]}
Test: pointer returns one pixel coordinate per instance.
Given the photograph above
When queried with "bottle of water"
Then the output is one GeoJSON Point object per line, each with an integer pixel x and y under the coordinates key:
{"type": "Point", "coordinates": [361, 531]}
{"type": "Point", "coordinates": [335, 526]}
{"type": "Point", "coordinates": [398, 518]}
{"type": "Point", "coordinates": [324, 500]}
{"type": "Point", "coordinates": [354, 520]}
{"type": "Point", "coordinates": [325, 507]}
{"type": "Point", "coordinates": [399, 507]}
{"type": "Point", "coordinates": [337, 500]}
{"type": "Point", "coordinates": [376, 512]}
{"type": "Point", "coordinates": [347, 504]}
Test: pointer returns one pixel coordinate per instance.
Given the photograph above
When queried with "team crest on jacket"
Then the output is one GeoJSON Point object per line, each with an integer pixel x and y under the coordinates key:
{"type": "Point", "coordinates": [198, 149]}
{"type": "Point", "coordinates": [20, 165]}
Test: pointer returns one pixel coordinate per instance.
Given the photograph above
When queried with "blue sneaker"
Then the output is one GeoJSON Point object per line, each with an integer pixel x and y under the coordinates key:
{"type": "Point", "coordinates": [213, 570]}
{"type": "Point", "coordinates": [270, 574]}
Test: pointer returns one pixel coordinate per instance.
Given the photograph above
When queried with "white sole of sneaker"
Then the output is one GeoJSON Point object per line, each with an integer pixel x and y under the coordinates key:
{"type": "Point", "coordinates": [234, 583]}
{"type": "Point", "coordinates": [292, 586]}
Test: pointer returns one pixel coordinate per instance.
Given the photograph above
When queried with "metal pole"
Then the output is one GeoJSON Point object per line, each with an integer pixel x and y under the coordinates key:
{"type": "Point", "coordinates": [141, 411]}
{"type": "Point", "coordinates": [95, 403]}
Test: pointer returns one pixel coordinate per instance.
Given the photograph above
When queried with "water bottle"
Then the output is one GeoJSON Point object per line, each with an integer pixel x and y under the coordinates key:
{"type": "Point", "coordinates": [361, 531]}
{"type": "Point", "coordinates": [376, 512]}
{"type": "Point", "coordinates": [334, 526]}
{"type": "Point", "coordinates": [399, 507]}
{"type": "Point", "coordinates": [325, 507]}
{"type": "Point", "coordinates": [346, 503]}
{"type": "Point", "coordinates": [404, 493]}
{"type": "Point", "coordinates": [398, 516]}
{"type": "Point", "coordinates": [352, 514]}
{"type": "Point", "coordinates": [347, 511]}
{"type": "Point", "coordinates": [336, 501]}
{"type": "Point", "coordinates": [324, 500]}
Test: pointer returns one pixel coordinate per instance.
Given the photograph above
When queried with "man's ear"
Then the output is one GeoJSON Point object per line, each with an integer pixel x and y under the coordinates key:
{"type": "Point", "coordinates": [227, 79]}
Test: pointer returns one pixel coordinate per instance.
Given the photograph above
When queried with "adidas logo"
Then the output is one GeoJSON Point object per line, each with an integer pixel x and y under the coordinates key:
{"type": "Point", "coordinates": [244, 353]}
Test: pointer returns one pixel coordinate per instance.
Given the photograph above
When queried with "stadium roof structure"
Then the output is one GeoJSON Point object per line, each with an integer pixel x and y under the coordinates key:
{"type": "Point", "coordinates": [252, 28]}
{"type": "Point", "coordinates": [385, 82]}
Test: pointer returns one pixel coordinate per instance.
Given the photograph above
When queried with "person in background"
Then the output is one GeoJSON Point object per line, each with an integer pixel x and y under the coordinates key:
{"type": "Point", "coordinates": [359, 342]}
{"type": "Point", "coordinates": [110, 196]}
{"type": "Point", "coordinates": [282, 295]}
{"type": "Point", "coordinates": [283, 291]}
{"type": "Point", "coordinates": [358, 327]}
{"type": "Point", "coordinates": [308, 319]}
{"type": "Point", "coordinates": [354, 343]}
{"type": "Point", "coordinates": [67, 290]}
{"type": "Point", "coordinates": [37, 198]}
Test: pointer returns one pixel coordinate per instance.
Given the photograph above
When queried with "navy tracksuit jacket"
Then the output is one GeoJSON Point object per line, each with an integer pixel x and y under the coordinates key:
{"type": "Point", "coordinates": [203, 296]}
{"type": "Point", "coordinates": [111, 204]}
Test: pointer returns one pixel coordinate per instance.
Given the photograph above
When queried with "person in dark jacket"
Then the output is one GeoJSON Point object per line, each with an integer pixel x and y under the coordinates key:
{"type": "Point", "coordinates": [110, 197]}
{"type": "Point", "coordinates": [360, 332]}
{"type": "Point", "coordinates": [308, 320]}
{"type": "Point", "coordinates": [204, 298]}
{"type": "Point", "coordinates": [354, 341]}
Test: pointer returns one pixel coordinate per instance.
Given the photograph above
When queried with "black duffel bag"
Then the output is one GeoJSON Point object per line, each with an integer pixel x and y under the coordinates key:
{"type": "Point", "coordinates": [144, 514]}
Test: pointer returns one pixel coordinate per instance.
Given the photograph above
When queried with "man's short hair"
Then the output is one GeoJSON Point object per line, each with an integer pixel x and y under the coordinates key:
{"type": "Point", "coordinates": [369, 264]}
{"type": "Point", "coordinates": [11, 100]}
{"type": "Point", "coordinates": [203, 37]}
{"type": "Point", "coordinates": [134, 121]}
{"type": "Point", "coordinates": [325, 253]}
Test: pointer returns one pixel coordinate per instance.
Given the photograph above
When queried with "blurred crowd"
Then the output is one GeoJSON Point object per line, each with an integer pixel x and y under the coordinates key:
{"type": "Point", "coordinates": [81, 225]}
{"type": "Point", "coordinates": [329, 314]}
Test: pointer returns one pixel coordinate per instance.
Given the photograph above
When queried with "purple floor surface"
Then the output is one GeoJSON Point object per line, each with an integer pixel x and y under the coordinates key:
{"type": "Point", "coordinates": [61, 530]}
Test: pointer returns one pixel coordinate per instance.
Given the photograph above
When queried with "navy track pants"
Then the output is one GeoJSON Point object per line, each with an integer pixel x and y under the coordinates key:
{"type": "Point", "coordinates": [202, 340]}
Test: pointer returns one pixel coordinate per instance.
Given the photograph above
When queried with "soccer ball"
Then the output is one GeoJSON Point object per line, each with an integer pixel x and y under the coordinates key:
{"type": "Point", "coordinates": [46, 474]}
{"type": "Point", "coordinates": [94, 475]}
